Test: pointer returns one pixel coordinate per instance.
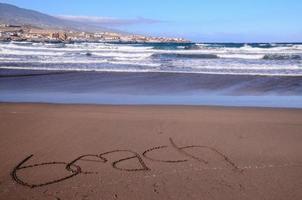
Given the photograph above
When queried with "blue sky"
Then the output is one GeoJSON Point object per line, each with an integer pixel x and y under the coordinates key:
{"type": "Point", "coordinates": [199, 20]}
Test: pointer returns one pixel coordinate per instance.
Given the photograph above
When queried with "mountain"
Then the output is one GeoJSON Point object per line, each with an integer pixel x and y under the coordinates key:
{"type": "Point", "coordinates": [10, 14]}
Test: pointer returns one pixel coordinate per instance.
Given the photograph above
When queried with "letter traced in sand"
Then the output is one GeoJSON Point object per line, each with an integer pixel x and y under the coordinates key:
{"type": "Point", "coordinates": [135, 156]}
{"type": "Point", "coordinates": [68, 166]}
{"type": "Point", "coordinates": [182, 150]}
{"type": "Point", "coordinates": [20, 166]}
{"type": "Point", "coordinates": [145, 154]}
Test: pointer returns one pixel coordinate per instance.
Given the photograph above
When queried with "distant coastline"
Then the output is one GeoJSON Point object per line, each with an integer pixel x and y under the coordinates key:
{"type": "Point", "coordinates": [9, 32]}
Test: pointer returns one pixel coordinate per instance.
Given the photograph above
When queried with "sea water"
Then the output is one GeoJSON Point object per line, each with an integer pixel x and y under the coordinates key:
{"type": "Point", "coordinates": [214, 58]}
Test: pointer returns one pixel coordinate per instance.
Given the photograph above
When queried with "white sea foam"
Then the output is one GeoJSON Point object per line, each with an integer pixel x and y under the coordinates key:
{"type": "Point", "coordinates": [135, 63]}
{"type": "Point", "coordinates": [9, 59]}
{"type": "Point", "coordinates": [19, 52]}
{"type": "Point", "coordinates": [149, 70]}
{"type": "Point", "coordinates": [125, 55]}
{"type": "Point", "coordinates": [242, 56]}
{"type": "Point", "coordinates": [55, 61]}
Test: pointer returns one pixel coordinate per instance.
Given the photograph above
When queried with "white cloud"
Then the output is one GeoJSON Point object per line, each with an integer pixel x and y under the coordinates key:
{"type": "Point", "coordinates": [109, 21]}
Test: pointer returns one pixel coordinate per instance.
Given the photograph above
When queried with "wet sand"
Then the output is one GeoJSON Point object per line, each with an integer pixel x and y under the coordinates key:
{"type": "Point", "coordinates": [149, 88]}
{"type": "Point", "coordinates": [51, 151]}
{"type": "Point", "coordinates": [149, 83]}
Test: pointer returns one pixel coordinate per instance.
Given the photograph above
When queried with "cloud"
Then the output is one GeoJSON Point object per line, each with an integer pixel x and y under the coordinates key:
{"type": "Point", "coordinates": [109, 21]}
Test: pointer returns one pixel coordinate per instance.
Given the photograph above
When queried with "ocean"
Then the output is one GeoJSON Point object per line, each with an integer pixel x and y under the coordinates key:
{"type": "Point", "coordinates": [216, 58]}
{"type": "Point", "coordinates": [235, 74]}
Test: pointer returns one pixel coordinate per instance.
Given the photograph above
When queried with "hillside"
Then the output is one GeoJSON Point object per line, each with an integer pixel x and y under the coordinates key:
{"type": "Point", "coordinates": [10, 14]}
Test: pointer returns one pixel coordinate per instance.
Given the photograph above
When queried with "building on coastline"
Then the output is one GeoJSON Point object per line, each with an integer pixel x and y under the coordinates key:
{"type": "Point", "coordinates": [30, 33]}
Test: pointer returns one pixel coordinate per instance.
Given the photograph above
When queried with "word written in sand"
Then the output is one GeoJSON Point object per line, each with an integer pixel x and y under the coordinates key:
{"type": "Point", "coordinates": [75, 169]}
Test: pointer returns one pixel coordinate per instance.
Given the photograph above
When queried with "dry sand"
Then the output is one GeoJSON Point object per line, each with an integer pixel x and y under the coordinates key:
{"type": "Point", "coordinates": [149, 152]}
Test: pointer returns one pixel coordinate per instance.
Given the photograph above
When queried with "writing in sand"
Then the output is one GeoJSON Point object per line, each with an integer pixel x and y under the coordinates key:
{"type": "Point", "coordinates": [74, 169]}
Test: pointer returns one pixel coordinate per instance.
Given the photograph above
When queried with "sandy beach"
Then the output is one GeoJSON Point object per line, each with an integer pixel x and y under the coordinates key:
{"type": "Point", "coordinates": [199, 100]}
{"type": "Point", "coordinates": [148, 136]}
{"type": "Point", "coordinates": [52, 151]}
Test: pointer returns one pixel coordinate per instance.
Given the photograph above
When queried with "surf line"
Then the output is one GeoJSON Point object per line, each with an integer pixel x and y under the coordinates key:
{"type": "Point", "coordinates": [74, 169]}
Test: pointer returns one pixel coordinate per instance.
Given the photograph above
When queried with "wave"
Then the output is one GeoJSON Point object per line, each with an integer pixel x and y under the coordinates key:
{"type": "Point", "coordinates": [184, 55]}
{"type": "Point", "coordinates": [54, 61]}
{"type": "Point", "coordinates": [29, 53]}
{"type": "Point", "coordinates": [265, 57]}
{"type": "Point", "coordinates": [251, 56]}
{"type": "Point", "coordinates": [242, 56]}
{"type": "Point", "coordinates": [282, 57]}
{"type": "Point", "coordinates": [120, 55]}
{"type": "Point", "coordinates": [174, 65]}
{"type": "Point", "coordinates": [154, 70]}
{"type": "Point", "coordinates": [263, 48]}
{"type": "Point", "coordinates": [84, 63]}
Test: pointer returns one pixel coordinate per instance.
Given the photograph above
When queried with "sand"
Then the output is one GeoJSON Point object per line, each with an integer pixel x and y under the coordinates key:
{"type": "Point", "coordinates": [50, 151]}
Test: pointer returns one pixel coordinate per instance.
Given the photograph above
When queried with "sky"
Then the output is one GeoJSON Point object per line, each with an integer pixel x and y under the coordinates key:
{"type": "Point", "coordinates": [198, 20]}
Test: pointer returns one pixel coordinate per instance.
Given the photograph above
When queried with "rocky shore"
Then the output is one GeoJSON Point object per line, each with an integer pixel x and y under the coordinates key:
{"type": "Point", "coordinates": [36, 34]}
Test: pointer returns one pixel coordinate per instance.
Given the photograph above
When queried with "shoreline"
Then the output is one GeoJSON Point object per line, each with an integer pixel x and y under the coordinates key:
{"type": "Point", "coordinates": [182, 106]}
{"type": "Point", "coordinates": [57, 71]}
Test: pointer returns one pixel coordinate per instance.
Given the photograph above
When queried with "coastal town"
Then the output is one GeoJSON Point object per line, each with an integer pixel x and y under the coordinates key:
{"type": "Point", "coordinates": [30, 33]}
